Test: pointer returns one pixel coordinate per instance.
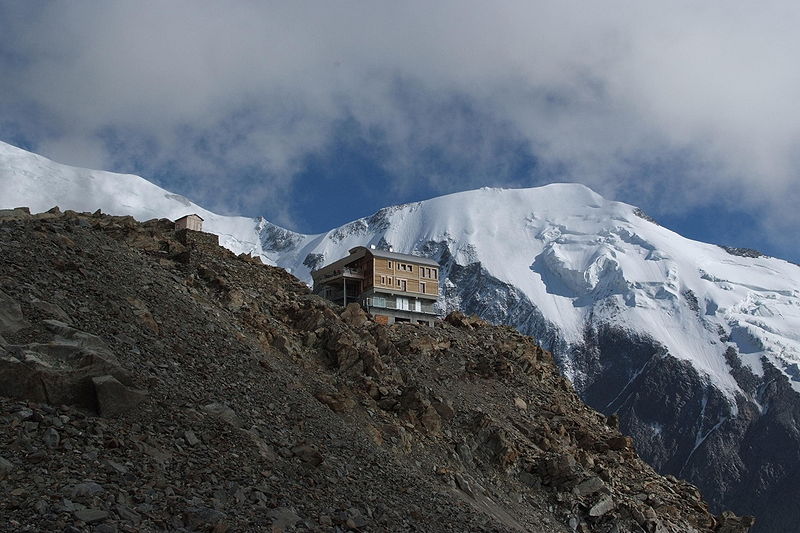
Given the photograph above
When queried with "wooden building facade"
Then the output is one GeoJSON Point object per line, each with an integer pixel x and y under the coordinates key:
{"type": "Point", "coordinates": [393, 287]}
{"type": "Point", "coordinates": [193, 222]}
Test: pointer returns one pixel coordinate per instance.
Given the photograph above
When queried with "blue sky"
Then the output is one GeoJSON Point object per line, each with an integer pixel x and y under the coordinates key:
{"type": "Point", "coordinates": [312, 114]}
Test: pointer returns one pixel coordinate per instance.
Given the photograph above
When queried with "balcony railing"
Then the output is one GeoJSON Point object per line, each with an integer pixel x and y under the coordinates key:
{"type": "Point", "coordinates": [346, 272]}
{"type": "Point", "coordinates": [388, 304]}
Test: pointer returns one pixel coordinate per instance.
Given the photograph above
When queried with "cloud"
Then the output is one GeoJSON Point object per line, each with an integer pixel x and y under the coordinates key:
{"type": "Point", "coordinates": [675, 105]}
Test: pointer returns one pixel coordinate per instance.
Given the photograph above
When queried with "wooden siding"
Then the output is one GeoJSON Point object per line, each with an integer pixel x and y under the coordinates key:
{"type": "Point", "coordinates": [387, 278]}
{"type": "Point", "coordinates": [367, 268]}
{"type": "Point", "coordinates": [192, 222]}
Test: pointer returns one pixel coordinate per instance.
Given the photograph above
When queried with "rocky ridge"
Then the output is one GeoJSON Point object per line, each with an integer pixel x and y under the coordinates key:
{"type": "Point", "coordinates": [151, 380]}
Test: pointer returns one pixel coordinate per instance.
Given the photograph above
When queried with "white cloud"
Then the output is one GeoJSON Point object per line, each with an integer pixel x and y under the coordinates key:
{"type": "Point", "coordinates": [600, 92]}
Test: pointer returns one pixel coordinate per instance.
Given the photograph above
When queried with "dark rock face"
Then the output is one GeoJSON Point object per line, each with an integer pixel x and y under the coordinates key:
{"type": "Point", "coordinates": [275, 238]}
{"type": "Point", "coordinates": [268, 408]}
{"type": "Point", "coordinates": [641, 214]}
{"type": "Point", "coordinates": [744, 458]}
{"type": "Point", "coordinates": [753, 460]}
{"type": "Point", "coordinates": [474, 291]}
{"type": "Point", "coordinates": [742, 252]}
{"type": "Point", "coordinates": [314, 261]}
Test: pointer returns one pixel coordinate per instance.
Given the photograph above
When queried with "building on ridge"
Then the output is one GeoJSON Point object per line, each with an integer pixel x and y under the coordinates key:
{"type": "Point", "coordinates": [193, 222]}
{"type": "Point", "coordinates": [393, 287]}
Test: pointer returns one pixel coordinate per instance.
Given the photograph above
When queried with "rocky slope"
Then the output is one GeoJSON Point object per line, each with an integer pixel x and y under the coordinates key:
{"type": "Point", "coordinates": [154, 381]}
{"type": "Point", "coordinates": [694, 347]}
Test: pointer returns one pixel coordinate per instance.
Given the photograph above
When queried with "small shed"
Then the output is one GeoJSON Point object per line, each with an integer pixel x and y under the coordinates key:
{"type": "Point", "coordinates": [193, 222]}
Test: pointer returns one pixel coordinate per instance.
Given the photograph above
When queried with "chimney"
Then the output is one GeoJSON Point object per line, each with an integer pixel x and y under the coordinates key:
{"type": "Point", "coordinates": [391, 248]}
{"type": "Point", "coordinates": [371, 246]}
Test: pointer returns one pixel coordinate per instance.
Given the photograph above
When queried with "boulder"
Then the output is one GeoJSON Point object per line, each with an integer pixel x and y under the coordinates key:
{"type": "Point", "coordinates": [190, 438]}
{"type": "Point", "coordinates": [57, 373]}
{"type": "Point", "coordinates": [51, 309]}
{"type": "Point", "coordinates": [282, 519]}
{"type": "Point", "coordinates": [5, 467]}
{"type": "Point", "coordinates": [444, 407]}
{"type": "Point", "coordinates": [460, 320]}
{"type": "Point", "coordinates": [20, 380]}
{"type": "Point", "coordinates": [113, 398]}
{"type": "Point", "coordinates": [11, 319]}
{"type": "Point", "coordinates": [426, 344]}
{"type": "Point", "coordinates": [51, 438]}
{"type": "Point", "coordinates": [234, 299]}
{"type": "Point", "coordinates": [66, 334]}
{"type": "Point", "coordinates": [143, 315]}
{"type": "Point", "coordinates": [430, 419]}
{"type": "Point", "coordinates": [589, 486]}
{"type": "Point", "coordinates": [354, 315]}
{"type": "Point", "coordinates": [603, 505]}
{"type": "Point", "coordinates": [205, 519]}
{"type": "Point", "coordinates": [224, 413]}
{"type": "Point", "coordinates": [337, 402]}
{"type": "Point", "coordinates": [728, 522]}
{"type": "Point", "coordinates": [622, 442]}
{"type": "Point", "coordinates": [86, 489]}
{"type": "Point", "coordinates": [560, 468]}
{"type": "Point", "coordinates": [308, 453]}
{"type": "Point", "coordinates": [128, 514]}
{"type": "Point", "coordinates": [91, 515]}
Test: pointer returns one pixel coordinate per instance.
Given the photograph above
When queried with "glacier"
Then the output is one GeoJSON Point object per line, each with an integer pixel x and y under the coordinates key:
{"type": "Point", "coordinates": [579, 257]}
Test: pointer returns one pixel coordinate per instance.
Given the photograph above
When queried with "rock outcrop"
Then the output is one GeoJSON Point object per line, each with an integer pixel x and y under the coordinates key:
{"type": "Point", "coordinates": [171, 385]}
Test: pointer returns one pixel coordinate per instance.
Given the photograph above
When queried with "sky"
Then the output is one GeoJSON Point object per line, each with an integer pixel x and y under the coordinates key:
{"type": "Point", "coordinates": [312, 114]}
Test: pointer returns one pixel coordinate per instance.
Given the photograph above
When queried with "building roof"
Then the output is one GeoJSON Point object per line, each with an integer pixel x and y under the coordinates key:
{"type": "Point", "coordinates": [360, 251]}
{"type": "Point", "coordinates": [187, 216]}
{"type": "Point", "coordinates": [384, 254]}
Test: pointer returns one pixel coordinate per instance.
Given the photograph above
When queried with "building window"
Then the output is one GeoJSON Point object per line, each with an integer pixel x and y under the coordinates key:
{"type": "Point", "coordinates": [422, 288]}
{"type": "Point", "coordinates": [411, 268]}
{"type": "Point", "coordinates": [390, 265]}
{"type": "Point", "coordinates": [434, 274]}
{"type": "Point", "coordinates": [383, 280]}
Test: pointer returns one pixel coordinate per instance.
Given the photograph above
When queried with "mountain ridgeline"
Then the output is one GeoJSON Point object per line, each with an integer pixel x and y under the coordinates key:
{"type": "Point", "coordinates": [151, 380]}
{"type": "Point", "coordinates": [694, 347]}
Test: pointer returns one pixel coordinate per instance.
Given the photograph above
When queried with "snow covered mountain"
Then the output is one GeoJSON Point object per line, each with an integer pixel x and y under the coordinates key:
{"type": "Point", "coordinates": [695, 347]}
{"type": "Point", "coordinates": [583, 259]}
{"type": "Point", "coordinates": [39, 183]}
